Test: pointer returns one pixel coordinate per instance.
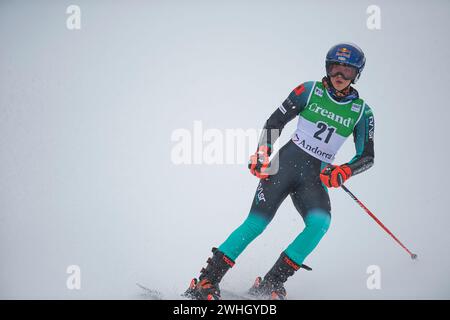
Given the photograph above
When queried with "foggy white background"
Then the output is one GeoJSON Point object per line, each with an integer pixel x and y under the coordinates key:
{"type": "Point", "coordinates": [86, 118]}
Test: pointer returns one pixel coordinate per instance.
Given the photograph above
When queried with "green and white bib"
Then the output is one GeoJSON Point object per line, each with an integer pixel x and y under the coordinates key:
{"type": "Point", "coordinates": [324, 124]}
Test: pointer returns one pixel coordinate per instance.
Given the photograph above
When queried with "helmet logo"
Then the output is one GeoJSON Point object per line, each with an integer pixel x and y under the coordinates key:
{"type": "Point", "coordinates": [343, 53]}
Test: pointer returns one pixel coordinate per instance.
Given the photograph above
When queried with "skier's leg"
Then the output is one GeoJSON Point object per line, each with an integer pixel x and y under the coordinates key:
{"type": "Point", "coordinates": [317, 222]}
{"type": "Point", "coordinates": [243, 235]}
{"type": "Point", "coordinates": [269, 195]}
{"type": "Point", "coordinates": [224, 257]}
{"type": "Point", "coordinates": [311, 199]}
{"type": "Point", "coordinates": [267, 199]}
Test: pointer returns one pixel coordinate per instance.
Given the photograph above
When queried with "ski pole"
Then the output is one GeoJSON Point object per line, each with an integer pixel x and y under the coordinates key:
{"type": "Point", "coordinates": [413, 255]}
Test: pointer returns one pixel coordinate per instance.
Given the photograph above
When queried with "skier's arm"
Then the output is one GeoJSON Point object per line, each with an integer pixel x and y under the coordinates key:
{"type": "Point", "coordinates": [363, 135]}
{"type": "Point", "coordinates": [288, 110]}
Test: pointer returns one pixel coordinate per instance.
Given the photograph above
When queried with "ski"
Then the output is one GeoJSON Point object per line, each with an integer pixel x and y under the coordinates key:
{"type": "Point", "coordinates": [150, 293]}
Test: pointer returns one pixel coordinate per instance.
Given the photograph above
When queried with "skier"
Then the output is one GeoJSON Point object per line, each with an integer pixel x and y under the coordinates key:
{"type": "Point", "coordinates": [329, 111]}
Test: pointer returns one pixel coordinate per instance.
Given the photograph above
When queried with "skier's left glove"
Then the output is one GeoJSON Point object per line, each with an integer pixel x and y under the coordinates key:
{"type": "Point", "coordinates": [335, 176]}
{"type": "Point", "coordinates": [259, 162]}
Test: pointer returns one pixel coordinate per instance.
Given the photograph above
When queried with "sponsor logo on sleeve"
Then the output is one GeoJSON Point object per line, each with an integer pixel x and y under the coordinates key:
{"type": "Point", "coordinates": [371, 127]}
{"type": "Point", "coordinates": [356, 107]}
{"type": "Point", "coordinates": [318, 92]}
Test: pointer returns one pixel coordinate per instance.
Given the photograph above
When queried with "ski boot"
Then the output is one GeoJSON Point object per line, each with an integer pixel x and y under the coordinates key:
{"type": "Point", "coordinates": [207, 286]}
{"type": "Point", "coordinates": [271, 287]}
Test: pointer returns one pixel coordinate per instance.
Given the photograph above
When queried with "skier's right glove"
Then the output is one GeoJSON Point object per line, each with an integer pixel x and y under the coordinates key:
{"type": "Point", "coordinates": [259, 162]}
{"type": "Point", "coordinates": [335, 176]}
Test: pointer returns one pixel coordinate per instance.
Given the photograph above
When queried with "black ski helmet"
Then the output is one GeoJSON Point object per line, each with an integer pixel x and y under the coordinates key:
{"type": "Point", "coordinates": [347, 54]}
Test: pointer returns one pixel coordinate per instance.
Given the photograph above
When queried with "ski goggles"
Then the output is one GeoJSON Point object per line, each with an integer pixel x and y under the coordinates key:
{"type": "Point", "coordinates": [346, 72]}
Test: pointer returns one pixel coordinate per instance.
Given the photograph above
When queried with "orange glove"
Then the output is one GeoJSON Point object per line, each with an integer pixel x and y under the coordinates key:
{"type": "Point", "coordinates": [335, 176]}
{"type": "Point", "coordinates": [259, 162]}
